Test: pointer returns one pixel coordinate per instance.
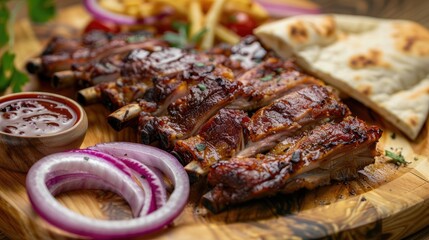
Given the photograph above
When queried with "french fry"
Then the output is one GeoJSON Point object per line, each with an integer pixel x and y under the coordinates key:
{"type": "Point", "coordinates": [212, 19]}
{"type": "Point", "coordinates": [203, 15]}
{"type": "Point", "coordinates": [196, 17]}
{"type": "Point", "coordinates": [147, 9]}
{"type": "Point", "coordinates": [226, 35]}
{"type": "Point", "coordinates": [181, 6]}
{"type": "Point", "coordinates": [250, 7]}
{"type": "Point", "coordinates": [113, 6]}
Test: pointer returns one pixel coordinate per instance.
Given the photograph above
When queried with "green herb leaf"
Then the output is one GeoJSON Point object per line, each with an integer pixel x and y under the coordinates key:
{"type": "Point", "coordinates": [174, 39]}
{"type": "Point", "coordinates": [199, 64]}
{"type": "Point", "coordinates": [4, 80]}
{"type": "Point", "coordinates": [180, 39]}
{"type": "Point", "coordinates": [398, 159]}
{"type": "Point", "coordinates": [4, 17]}
{"type": "Point", "coordinates": [136, 38]}
{"type": "Point", "coordinates": [200, 147]}
{"type": "Point", "coordinates": [198, 36]}
{"type": "Point", "coordinates": [267, 78]}
{"type": "Point", "coordinates": [177, 25]}
{"type": "Point", "coordinates": [6, 70]}
{"type": "Point", "coordinates": [41, 11]}
{"type": "Point", "coordinates": [201, 86]}
{"type": "Point", "coordinates": [18, 80]}
{"type": "Point", "coordinates": [7, 61]}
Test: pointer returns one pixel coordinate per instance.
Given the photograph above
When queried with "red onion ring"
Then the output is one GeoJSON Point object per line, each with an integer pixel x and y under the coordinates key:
{"type": "Point", "coordinates": [58, 171]}
{"type": "Point", "coordinates": [158, 193]}
{"type": "Point", "coordinates": [77, 181]}
{"type": "Point", "coordinates": [100, 13]}
{"type": "Point", "coordinates": [109, 158]}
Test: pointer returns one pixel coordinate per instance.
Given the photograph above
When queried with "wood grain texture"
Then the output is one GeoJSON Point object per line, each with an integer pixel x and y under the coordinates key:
{"type": "Point", "coordinates": [385, 202]}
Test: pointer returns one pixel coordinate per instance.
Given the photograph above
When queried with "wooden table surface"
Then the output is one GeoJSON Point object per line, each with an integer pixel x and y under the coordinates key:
{"type": "Point", "coordinates": [416, 10]}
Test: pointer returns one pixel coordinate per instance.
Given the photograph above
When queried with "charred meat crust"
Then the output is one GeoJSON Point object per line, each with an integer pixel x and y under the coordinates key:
{"type": "Point", "coordinates": [202, 102]}
{"type": "Point", "coordinates": [220, 138]}
{"type": "Point", "coordinates": [61, 54]}
{"type": "Point", "coordinates": [241, 179]}
{"type": "Point", "coordinates": [297, 111]}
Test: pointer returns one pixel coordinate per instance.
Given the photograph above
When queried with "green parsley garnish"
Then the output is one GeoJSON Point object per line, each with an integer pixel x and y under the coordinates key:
{"type": "Point", "coordinates": [181, 39]}
{"type": "Point", "coordinates": [398, 159]}
{"type": "Point", "coordinates": [200, 147]}
{"type": "Point", "coordinates": [198, 64]}
{"type": "Point", "coordinates": [267, 78]}
{"type": "Point", "coordinates": [136, 38]}
{"type": "Point", "coordinates": [202, 86]}
{"type": "Point", "coordinates": [39, 11]}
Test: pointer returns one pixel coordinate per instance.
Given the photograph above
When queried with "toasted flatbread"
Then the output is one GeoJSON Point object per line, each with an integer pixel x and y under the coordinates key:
{"type": "Point", "coordinates": [382, 63]}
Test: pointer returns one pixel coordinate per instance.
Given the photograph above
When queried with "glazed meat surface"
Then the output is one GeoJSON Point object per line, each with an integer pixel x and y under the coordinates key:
{"type": "Point", "coordinates": [268, 81]}
{"type": "Point", "coordinates": [296, 111]}
{"type": "Point", "coordinates": [94, 45]}
{"type": "Point", "coordinates": [203, 101]}
{"type": "Point", "coordinates": [240, 179]}
{"type": "Point", "coordinates": [221, 137]}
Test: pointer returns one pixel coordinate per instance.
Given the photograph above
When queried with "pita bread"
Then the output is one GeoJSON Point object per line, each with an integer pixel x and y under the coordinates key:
{"type": "Point", "coordinates": [382, 63]}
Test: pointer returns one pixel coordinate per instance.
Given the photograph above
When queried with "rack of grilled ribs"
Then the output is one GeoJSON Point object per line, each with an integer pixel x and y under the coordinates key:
{"type": "Point", "coordinates": [161, 77]}
{"type": "Point", "coordinates": [330, 151]}
{"type": "Point", "coordinates": [251, 123]}
{"type": "Point", "coordinates": [287, 116]}
{"type": "Point", "coordinates": [88, 59]}
{"type": "Point", "coordinates": [273, 123]}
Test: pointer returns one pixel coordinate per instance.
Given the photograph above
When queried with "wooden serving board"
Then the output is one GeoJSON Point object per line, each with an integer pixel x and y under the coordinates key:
{"type": "Point", "coordinates": [387, 201]}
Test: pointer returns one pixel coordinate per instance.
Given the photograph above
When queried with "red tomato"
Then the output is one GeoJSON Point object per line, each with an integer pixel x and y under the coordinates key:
{"type": "Point", "coordinates": [241, 23]}
{"type": "Point", "coordinates": [103, 26]}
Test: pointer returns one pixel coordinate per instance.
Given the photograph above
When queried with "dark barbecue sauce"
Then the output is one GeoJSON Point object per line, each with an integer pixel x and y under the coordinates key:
{"type": "Point", "coordinates": [35, 117]}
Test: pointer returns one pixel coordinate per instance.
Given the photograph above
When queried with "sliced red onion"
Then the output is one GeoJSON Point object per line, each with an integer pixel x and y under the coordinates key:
{"type": "Point", "coordinates": [159, 194]}
{"type": "Point", "coordinates": [58, 215]}
{"type": "Point", "coordinates": [154, 189]}
{"type": "Point", "coordinates": [77, 181]}
{"type": "Point", "coordinates": [149, 201]}
{"type": "Point", "coordinates": [168, 165]}
{"type": "Point", "coordinates": [58, 171]}
{"type": "Point", "coordinates": [109, 158]}
{"type": "Point", "coordinates": [100, 13]}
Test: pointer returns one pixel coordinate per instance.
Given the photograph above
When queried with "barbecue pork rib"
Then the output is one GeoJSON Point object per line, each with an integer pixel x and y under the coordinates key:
{"type": "Point", "coordinates": [156, 69]}
{"type": "Point", "coordinates": [186, 115]}
{"type": "Point", "coordinates": [280, 78]}
{"type": "Point", "coordinates": [165, 91]}
{"type": "Point", "coordinates": [102, 70]}
{"type": "Point", "coordinates": [94, 45]}
{"type": "Point", "coordinates": [297, 111]}
{"type": "Point", "coordinates": [220, 138]}
{"type": "Point", "coordinates": [143, 65]}
{"type": "Point", "coordinates": [268, 81]}
{"type": "Point", "coordinates": [330, 147]}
